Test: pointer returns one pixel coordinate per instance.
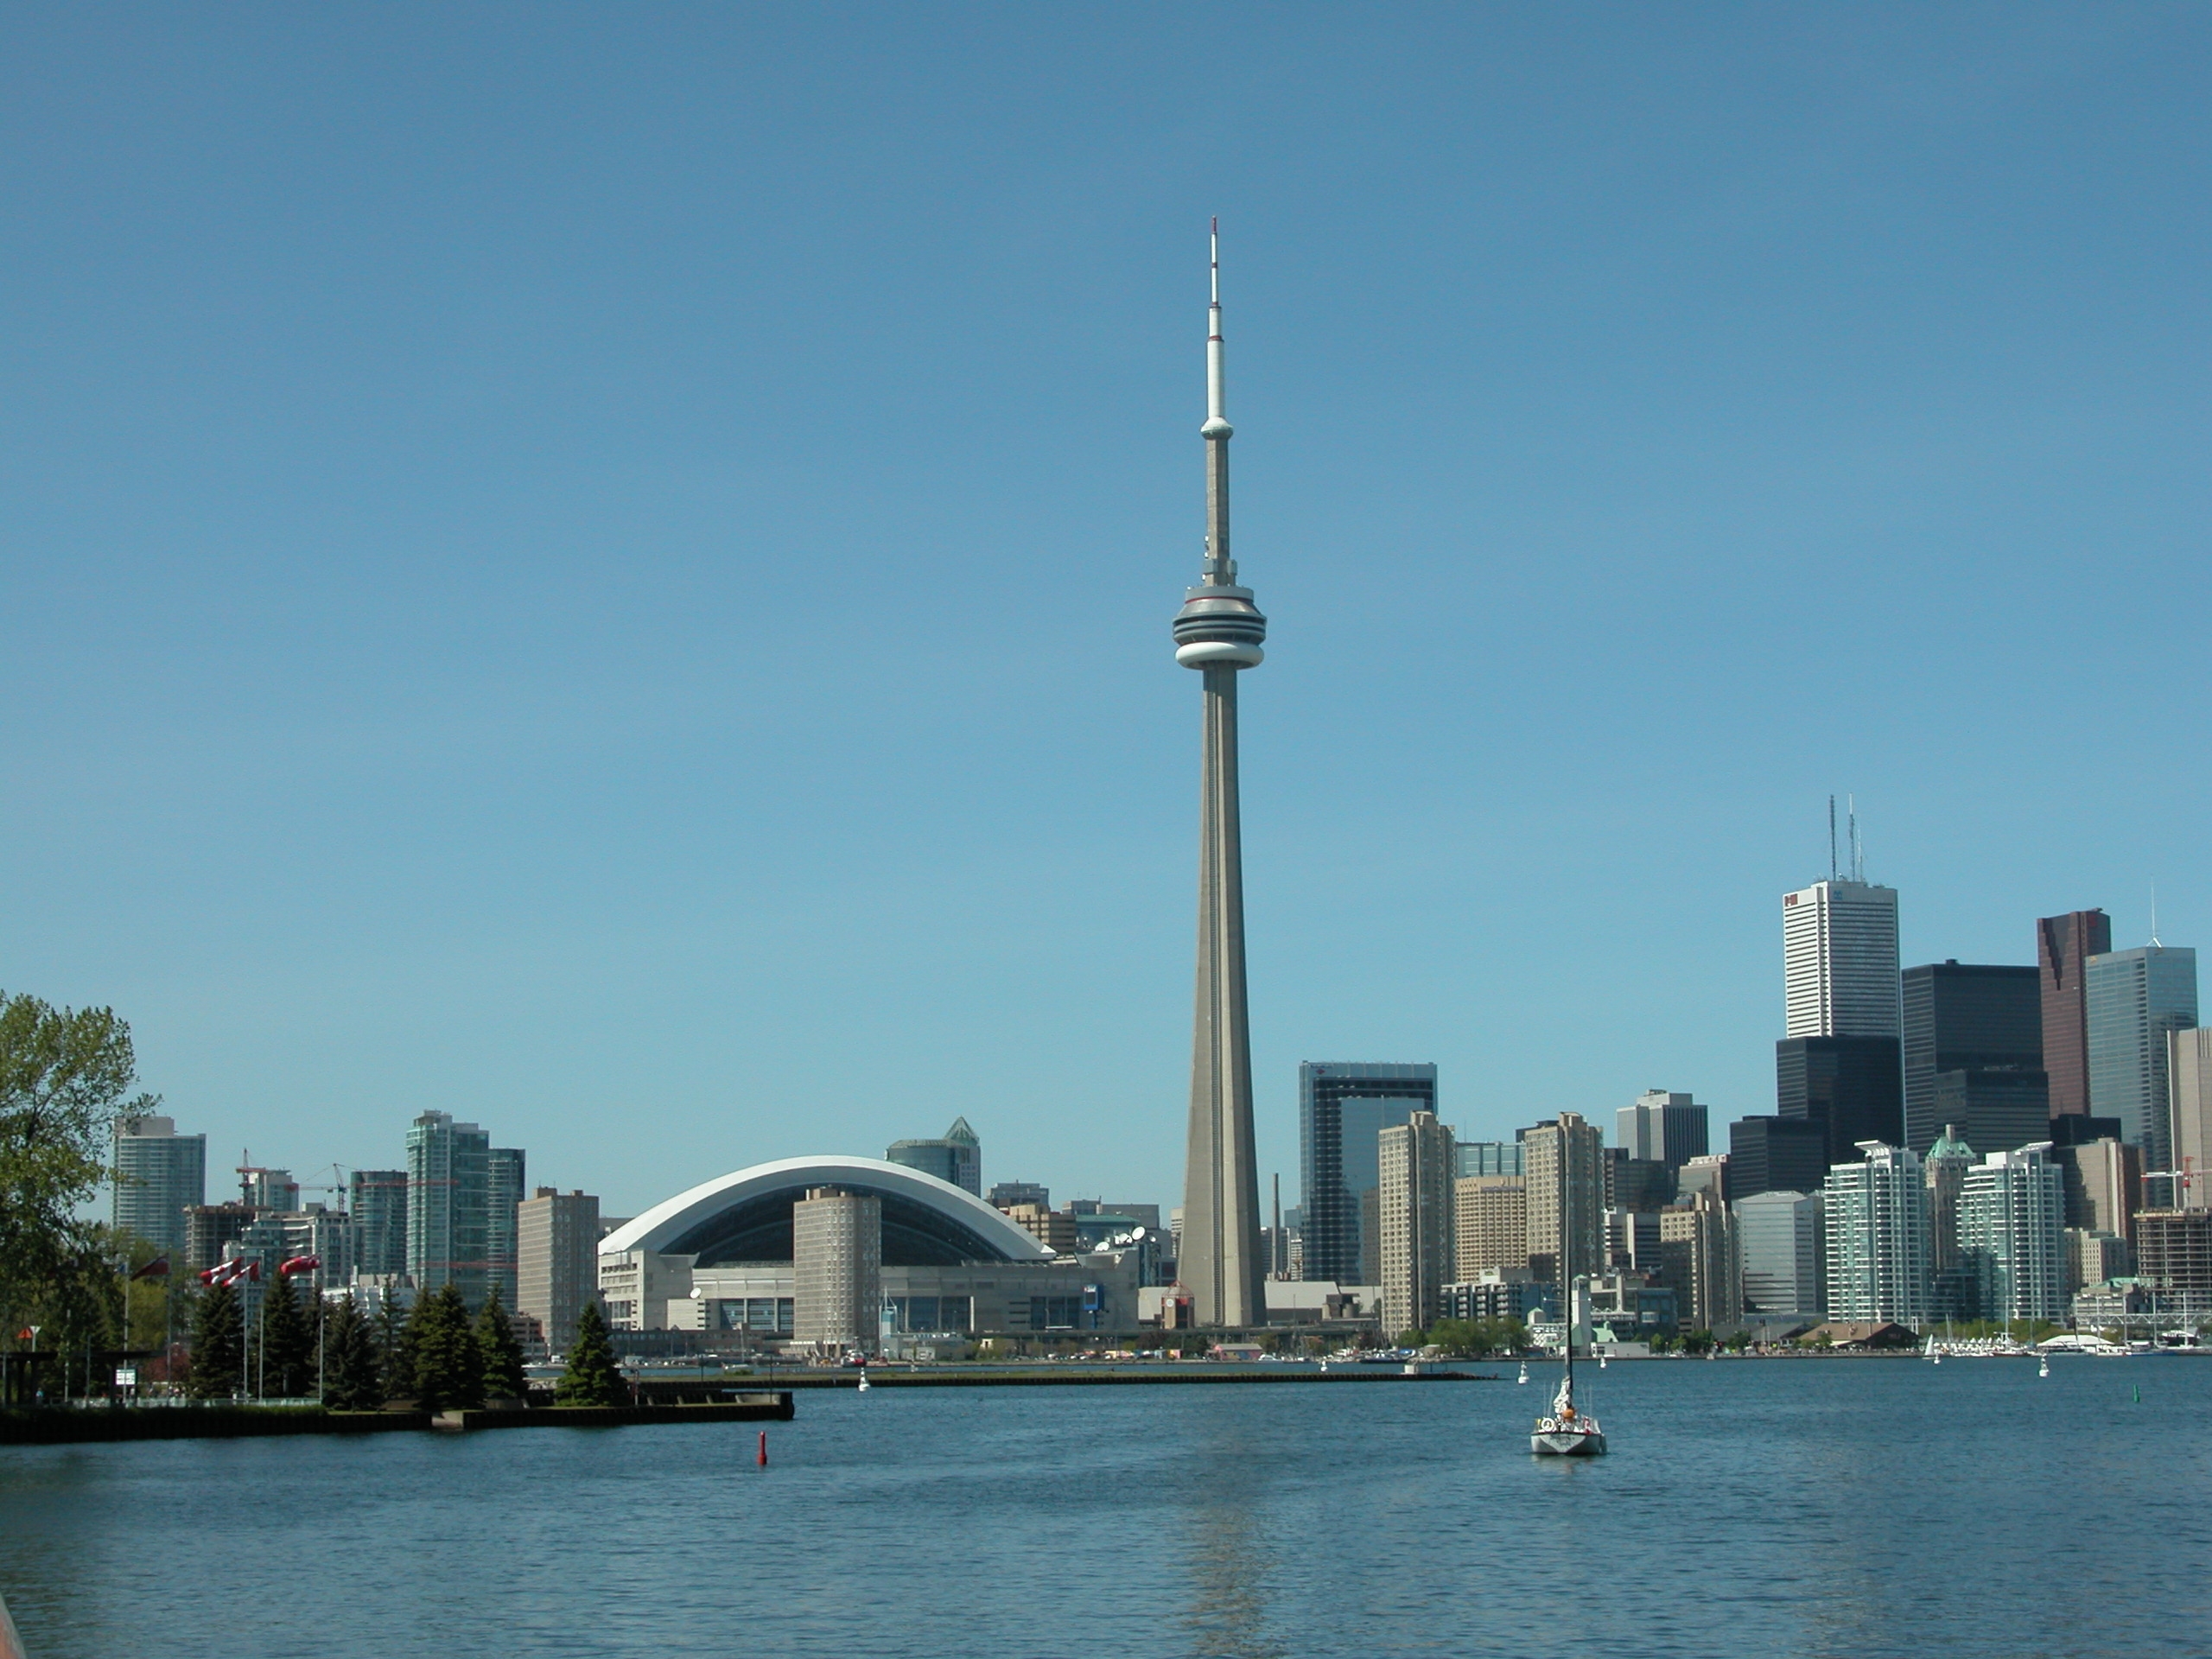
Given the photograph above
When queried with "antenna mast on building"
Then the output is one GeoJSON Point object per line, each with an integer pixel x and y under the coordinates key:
{"type": "Point", "coordinates": [1858, 852]}
{"type": "Point", "coordinates": [1832, 838]}
{"type": "Point", "coordinates": [2155, 945]}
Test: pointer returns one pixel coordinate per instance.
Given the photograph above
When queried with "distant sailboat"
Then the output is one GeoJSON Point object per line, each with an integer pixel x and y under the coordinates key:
{"type": "Point", "coordinates": [1523, 1377]}
{"type": "Point", "coordinates": [1565, 1433]}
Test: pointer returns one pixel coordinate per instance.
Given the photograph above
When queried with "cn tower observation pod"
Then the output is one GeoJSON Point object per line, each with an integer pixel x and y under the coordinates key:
{"type": "Point", "coordinates": [745, 1217]}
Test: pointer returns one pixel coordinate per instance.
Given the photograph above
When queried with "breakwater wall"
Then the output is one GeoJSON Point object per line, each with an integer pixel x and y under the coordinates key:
{"type": "Point", "coordinates": [68, 1425]}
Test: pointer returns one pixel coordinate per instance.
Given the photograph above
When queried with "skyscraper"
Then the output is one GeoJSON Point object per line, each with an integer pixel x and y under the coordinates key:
{"type": "Point", "coordinates": [837, 1269]}
{"type": "Point", "coordinates": [1663, 1127]}
{"type": "Point", "coordinates": [955, 1157]}
{"type": "Point", "coordinates": [2189, 1086]}
{"type": "Point", "coordinates": [162, 1173]}
{"type": "Point", "coordinates": [1839, 960]}
{"type": "Point", "coordinates": [1779, 1243]}
{"type": "Point", "coordinates": [1776, 1154]}
{"type": "Point", "coordinates": [1851, 1086]}
{"type": "Point", "coordinates": [1490, 1223]}
{"type": "Point", "coordinates": [449, 1206]}
{"type": "Point", "coordinates": [1567, 1200]}
{"type": "Point", "coordinates": [2135, 998]}
{"type": "Point", "coordinates": [1974, 1055]}
{"type": "Point", "coordinates": [557, 1250]}
{"type": "Point", "coordinates": [1954, 1282]}
{"type": "Point", "coordinates": [1341, 1110]}
{"type": "Point", "coordinates": [1878, 1238]}
{"type": "Point", "coordinates": [1698, 1247]}
{"type": "Point", "coordinates": [1417, 1221]}
{"type": "Point", "coordinates": [378, 1207]}
{"type": "Point", "coordinates": [2063, 947]}
{"type": "Point", "coordinates": [1219, 633]}
{"type": "Point", "coordinates": [504, 1189]}
{"type": "Point", "coordinates": [2013, 1235]}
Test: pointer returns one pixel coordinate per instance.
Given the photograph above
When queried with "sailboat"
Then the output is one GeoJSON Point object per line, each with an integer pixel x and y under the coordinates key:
{"type": "Point", "coordinates": [1523, 1377]}
{"type": "Point", "coordinates": [1565, 1433]}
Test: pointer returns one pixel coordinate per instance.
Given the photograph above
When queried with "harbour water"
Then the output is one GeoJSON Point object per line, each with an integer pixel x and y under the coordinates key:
{"type": "Point", "coordinates": [1788, 1507]}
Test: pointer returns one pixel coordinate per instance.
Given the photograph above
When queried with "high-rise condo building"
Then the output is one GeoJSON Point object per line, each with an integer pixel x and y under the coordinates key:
{"type": "Point", "coordinates": [160, 1174]}
{"type": "Point", "coordinates": [1876, 1212]}
{"type": "Point", "coordinates": [1953, 1282]}
{"type": "Point", "coordinates": [1219, 633]}
{"type": "Point", "coordinates": [211, 1229]}
{"type": "Point", "coordinates": [1839, 960]}
{"type": "Point", "coordinates": [556, 1244]}
{"type": "Point", "coordinates": [1851, 1086]}
{"type": "Point", "coordinates": [2013, 1235]}
{"type": "Point", "coordinates": [1779, 1241]}
{"type": "Point", "coordinates": [1567, 1200]}
{"type": "Point", "coordinates": [2135, 998]}
{"type": "Point", "coordinates": [2189, 1087]}
{"type": "Point", "coordinates": [504, 1181]}
{"type": "Point", "coordinates": [1416, 1221]}
{"type": "Point", "coordinates": [379, 1215]}
{"type": "Point", "coordinates": [1663, 1127]}
{"type": "Point", "coordinates": [955, 1157]}
{"type": "Point", "coordinates": [837, 1269]}
{"type": "Point", "coordinates": [2063, 947]}
{"type": "Point", "coordinates": [449, 1206]}
{"type": "Point", "coordinates": [1697, 1243]}
{"type": "Point", "coordinates": [1776, 1154]}
{"type": "Point", "coordinates": [1343, 1109]}
{"type": "Point", "coordinates": [1490, 1225]}
{"type": "Point", "coordinates": [1974, 1055]}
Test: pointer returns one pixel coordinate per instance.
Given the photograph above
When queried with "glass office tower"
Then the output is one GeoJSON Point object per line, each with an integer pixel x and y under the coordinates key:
{"type": "Point", "coordinates": [2136, 997]}
{"type": "Point", "coordinates": [1973, 1056]}
{"type": "Point", "coordinates": [1342, 1112]}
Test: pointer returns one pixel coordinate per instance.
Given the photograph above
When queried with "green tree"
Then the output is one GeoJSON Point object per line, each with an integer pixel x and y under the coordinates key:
{"type": "Point", "coordinates": [395, 1353]}
{"type": "Point", "coordinates": [65, 1076]}
{"type": "Point", "coordinates": [495, 1337]}
{"type": "Point", "coordinates": [592, 1378]}
{"type": "Point", "coordinates": [217, 1344]}
{"type": "Point", "coordinates": [448, 1362]}
{"type": "Point", "coordinates": [352, 1381]}
{"type": "Point", "coordinates": [286, 1359]}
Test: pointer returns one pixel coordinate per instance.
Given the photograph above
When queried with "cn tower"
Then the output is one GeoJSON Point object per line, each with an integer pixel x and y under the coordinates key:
{"type": "Point", "coordinates": [1219, 633]}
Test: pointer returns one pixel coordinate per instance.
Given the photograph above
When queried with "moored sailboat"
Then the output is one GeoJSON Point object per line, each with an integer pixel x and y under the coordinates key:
{"type": "Point", "coordinates": [1567, 1431]}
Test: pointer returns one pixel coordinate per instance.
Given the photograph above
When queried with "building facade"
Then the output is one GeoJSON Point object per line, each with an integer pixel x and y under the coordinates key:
{"type": "Point", "coordinates": [377, 1203]}
{"type": "Point", "coordinates": [449, 1206]}
{"type": "Point", "coordinates": [505, 1172]}
{"type": "Point", "coordinates": [1853, 1087]}
{"type": "Point", "coordinates": [1417, 1222]}
{"type": "Point", "coordinates": [1490, 1225]}
{"type": "Point", "coordinates": [1776, 1154]}
{"type": "Point", "coordinates": [160, 1174]}
{"type": "Point", "coordinates": [1974, 1055]}
{"type": "Point", "coordinates": [2189, 1095]}
{"type": "Point", "coordinates": [838, 1268]}
{"type": "Point", "coordinates": [1343, 1109]}
{"type": "Point", "coordinates": [1780, 1243]}
{"type": "Point", "coordinates": [2136, 999]}
{"type": "Point", "coordinates": [1698, 1245]}
{"type": "Point", "coordinates": [1875, 1213]}
{"type": "Point", "coordinates": [1565, 1196]}
{"type": "Point", "coordinates": [2012, 1236]}
{"type": "Point", "coordinates": [1954, 1282]}
{"type": "Point", "coordinates": [956, 1157]}
{"type": "Point", "coordinates": [1490, 1158]}
{"type": "Point", "coordinates": [1840, 961]}
{"type": "Point", "coordinates": [2063, 947]}
{"type": "Point", "coordinates": [2173, 1255]}
{"type": "Point", "coordinates": [1663, 1127]}
{"type": "Point", "coordinates": [556, 1260]}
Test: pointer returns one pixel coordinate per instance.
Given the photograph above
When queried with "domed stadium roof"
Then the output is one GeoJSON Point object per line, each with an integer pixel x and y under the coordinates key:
{"type": "Point", "coordinates": [745, 1217]}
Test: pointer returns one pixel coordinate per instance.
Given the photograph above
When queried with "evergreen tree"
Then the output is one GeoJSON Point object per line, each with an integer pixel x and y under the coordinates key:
{"type": "Point", "coordinates": [286, 1367]}
{"type": "Point", "coordinates": [352, 1378]}
{"type": "Point", "coordinates": [592, 1378]}
{"type": "Point", "coordinates": [217, 1344]}
{"type": "Point", "coordinates": [448, 1363]}
{"type": "Point", "coordinates": [495, 1337]}
{"type": "Point", "coordinates": [395, 1354]}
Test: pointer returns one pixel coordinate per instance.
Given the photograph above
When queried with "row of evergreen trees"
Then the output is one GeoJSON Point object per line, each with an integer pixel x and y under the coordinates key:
{"type": "Point", "coordinates": [435, 1356]}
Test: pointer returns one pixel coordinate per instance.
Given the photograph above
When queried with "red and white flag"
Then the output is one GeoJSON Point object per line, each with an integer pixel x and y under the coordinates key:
{"type": "Point", "coordinates": [300, 1264]}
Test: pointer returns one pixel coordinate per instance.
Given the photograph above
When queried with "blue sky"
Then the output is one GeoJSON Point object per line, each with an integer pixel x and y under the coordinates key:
{"type": "Point", "coordinates": [607, 569]}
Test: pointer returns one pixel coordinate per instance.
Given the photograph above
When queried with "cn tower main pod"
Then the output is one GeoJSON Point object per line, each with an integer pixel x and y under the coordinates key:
{"type": "Point", "coordinates": [1219, 633]}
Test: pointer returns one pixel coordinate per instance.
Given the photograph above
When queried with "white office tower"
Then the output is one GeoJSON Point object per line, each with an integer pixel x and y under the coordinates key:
{"type": "Point", "coordinates": [2013, 1235]}
{"type": "Point", "coordinates": [1840, 961]}
{"type": "Point", "coordinates": [1779, 1236]}
{"type": "Point", "coordinates": [1416, 1198]}
{"type": "Point", "coordinates": [837, 1270]}
{"type": "Point", "coordinates": [161, 1173]}
{"type": "Point", "coordinates": [1878, 1238]}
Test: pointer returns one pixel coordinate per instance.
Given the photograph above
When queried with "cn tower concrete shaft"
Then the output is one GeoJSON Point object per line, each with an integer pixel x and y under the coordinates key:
{"type": "Point", "coordinates": [1219, 631]}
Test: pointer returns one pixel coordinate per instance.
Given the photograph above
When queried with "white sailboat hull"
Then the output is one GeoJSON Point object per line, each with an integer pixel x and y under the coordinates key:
{"type": "Point", "coordinates": [1568, 1443]}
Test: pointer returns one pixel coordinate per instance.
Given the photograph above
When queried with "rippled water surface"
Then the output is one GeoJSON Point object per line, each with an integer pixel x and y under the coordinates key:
{"type": "Point", "coordinates": [1785, 1507]}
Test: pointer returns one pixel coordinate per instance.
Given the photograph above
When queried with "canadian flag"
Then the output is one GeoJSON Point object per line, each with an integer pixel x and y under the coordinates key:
{"type": "Point", "coordinates": [230, 1272]}
{"type": "Point", "coordinates": [300, 1264]}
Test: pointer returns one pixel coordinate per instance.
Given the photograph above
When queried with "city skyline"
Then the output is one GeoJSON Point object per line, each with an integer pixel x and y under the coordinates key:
{"type": "Point", "coordinates": [534, 646]}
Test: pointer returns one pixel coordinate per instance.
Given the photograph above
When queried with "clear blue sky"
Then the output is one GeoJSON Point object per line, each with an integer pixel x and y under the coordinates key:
{"type": "Point", "coordinates": [606, 569]}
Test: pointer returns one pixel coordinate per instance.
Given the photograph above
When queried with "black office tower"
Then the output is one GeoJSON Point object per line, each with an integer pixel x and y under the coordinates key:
{"type": "Point", "coordinates": [1973, 1056]}
{"type": "Point", "coordinates": [1776, 1154]}
{"type": "Point", "coordinates": [1853, 1087]}
{"type": "Point", "coordinates": [1342, 1111]}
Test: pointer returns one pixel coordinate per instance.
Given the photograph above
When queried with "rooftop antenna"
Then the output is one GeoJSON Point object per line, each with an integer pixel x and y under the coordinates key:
{"type": "Point", "coordinates": [1831, 837]}
{"type": "Point", "coordinates": [1857, 851]}
{"type": "Point", "coordinates": [2155, 945]}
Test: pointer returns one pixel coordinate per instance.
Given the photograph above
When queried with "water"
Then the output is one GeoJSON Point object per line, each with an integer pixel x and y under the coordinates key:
{"type": "Point", "coordinates": [1813, 1506]}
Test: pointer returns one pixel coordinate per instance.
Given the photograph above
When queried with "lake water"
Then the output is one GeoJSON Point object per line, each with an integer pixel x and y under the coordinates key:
{"type": "Point", "coordinates": [1815, 1507]}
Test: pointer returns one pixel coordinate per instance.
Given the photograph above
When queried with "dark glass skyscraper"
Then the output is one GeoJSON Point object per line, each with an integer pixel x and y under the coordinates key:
{"type": "Point", "coordinates": [1973, 1056]}
{"type": "Point", "coordinates": [1776, 1154]}
{"type": "Point", "coordinates": [1342, 1111]}
{"type": "Point", "coordinates": [1852, 1086]}
{"type": "Point", "coordinates": [2063, 947]}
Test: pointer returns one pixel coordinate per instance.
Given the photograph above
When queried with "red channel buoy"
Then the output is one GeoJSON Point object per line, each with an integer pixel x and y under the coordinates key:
{"type": "Point", "coordinates": [763, 1458]}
